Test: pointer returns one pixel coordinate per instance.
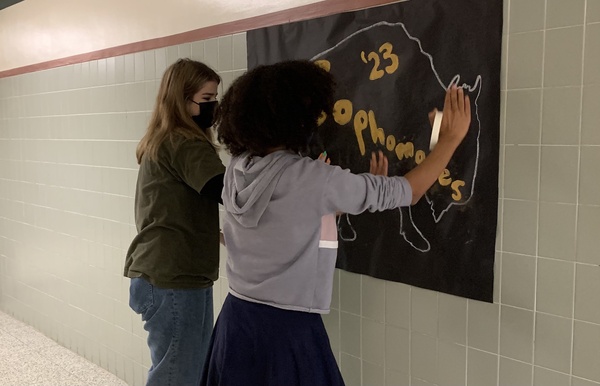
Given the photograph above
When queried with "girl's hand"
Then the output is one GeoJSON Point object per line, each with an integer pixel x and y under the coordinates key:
{"type": "Point", "coordinates": [323, 157]}
{"type": "Point", "coordinates": [457, 116]}
{"type": "Point", "coordinates": [454, 126]}
{"type": "Point", "coordinates": [379, 165]}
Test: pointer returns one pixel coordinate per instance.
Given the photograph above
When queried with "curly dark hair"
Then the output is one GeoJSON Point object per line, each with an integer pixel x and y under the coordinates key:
{"type": "Point", "coordinates": [274, 105]}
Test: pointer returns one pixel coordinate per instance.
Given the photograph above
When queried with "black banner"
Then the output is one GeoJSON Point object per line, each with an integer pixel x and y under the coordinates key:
{"type": "Point", "coordinates": [392, 65]}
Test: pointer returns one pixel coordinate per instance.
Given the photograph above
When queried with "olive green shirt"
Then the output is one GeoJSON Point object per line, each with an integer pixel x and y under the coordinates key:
{"type": "Point", "coordinates": [177, 245]}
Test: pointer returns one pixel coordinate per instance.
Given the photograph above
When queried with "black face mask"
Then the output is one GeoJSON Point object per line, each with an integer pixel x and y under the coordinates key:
{"type": "Point", "coordinates": [205, 119]}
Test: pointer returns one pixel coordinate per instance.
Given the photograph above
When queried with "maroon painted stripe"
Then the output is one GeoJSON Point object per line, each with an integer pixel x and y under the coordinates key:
{"type": "Point", "coordinates": [305, 12]}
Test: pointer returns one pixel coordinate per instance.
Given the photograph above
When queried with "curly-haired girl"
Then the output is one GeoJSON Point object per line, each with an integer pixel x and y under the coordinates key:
{"type": "Point", "coordinates": [280, 227]}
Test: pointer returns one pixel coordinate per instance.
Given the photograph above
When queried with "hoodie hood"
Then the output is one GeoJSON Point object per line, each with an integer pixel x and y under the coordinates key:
{"type": "Point", "coordinates": [250, 182]}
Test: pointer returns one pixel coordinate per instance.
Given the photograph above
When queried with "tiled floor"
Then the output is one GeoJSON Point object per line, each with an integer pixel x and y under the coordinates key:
{"type": "Point", "coordinates": [28, 358]}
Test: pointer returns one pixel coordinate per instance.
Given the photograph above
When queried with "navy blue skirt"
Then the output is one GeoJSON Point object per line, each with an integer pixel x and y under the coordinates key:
{"type": "Point", "coordinates": [259, 345]}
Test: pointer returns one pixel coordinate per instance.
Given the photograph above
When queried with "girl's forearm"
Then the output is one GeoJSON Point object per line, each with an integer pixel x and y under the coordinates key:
{"type": "Point", "coordinates": [427, 172]}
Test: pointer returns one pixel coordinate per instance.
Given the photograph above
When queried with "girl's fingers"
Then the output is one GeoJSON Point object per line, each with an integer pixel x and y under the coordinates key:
{"type": "Point", "coordinates": [378, 164]}
{"type": "Point", "coordinates": [447, 101]}
{"type": "Point", "coordinates": [323, 157]}
{"type": "Point", "coordinates": [453, 98]}
{"type": "Point", "coordinates": [461, 100]}
{"type": "Point", "coordinates": [383, 165]}
{"type": "Point", "coordinates": [373, 166]}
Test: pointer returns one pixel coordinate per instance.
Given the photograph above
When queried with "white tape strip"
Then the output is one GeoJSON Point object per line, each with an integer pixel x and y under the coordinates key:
{"type": "Point", "coordinates": [328, 244]}
{"type": "Point", "coordinates": [435, 132]}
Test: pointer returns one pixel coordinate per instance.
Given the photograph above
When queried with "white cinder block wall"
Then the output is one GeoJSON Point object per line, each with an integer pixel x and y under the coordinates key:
{"type": "Point", "coordinates": [67, 183]}
{"type": "Point", "coordinates": [67, 179]}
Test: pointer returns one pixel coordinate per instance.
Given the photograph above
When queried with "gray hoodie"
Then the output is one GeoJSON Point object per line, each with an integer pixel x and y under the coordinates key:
{"type": "Point", "coordinates": [280, 227]}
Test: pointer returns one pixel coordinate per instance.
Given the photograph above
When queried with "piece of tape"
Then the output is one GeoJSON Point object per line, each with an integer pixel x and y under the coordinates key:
{"type": "Point", "coordinates": [435, 132]}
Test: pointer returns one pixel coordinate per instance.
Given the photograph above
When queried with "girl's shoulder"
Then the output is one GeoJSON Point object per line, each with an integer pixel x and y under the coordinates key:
{"type": "Point", "coordinates": [178, 142]}
{"type": "Point", "coordinates": [313, 170]}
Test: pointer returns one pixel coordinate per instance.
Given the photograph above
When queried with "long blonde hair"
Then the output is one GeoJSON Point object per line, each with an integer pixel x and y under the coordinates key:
{"type": "Point", "coordinates": [179, 83]}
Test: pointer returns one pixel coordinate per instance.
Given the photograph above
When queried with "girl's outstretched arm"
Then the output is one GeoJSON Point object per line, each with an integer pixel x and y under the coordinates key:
{"type": "Point", "coordinates": [455, 124]}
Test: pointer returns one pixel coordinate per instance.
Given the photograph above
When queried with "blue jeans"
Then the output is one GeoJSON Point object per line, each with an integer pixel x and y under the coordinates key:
{"type": "Point", "coordinates": [179, 324]}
